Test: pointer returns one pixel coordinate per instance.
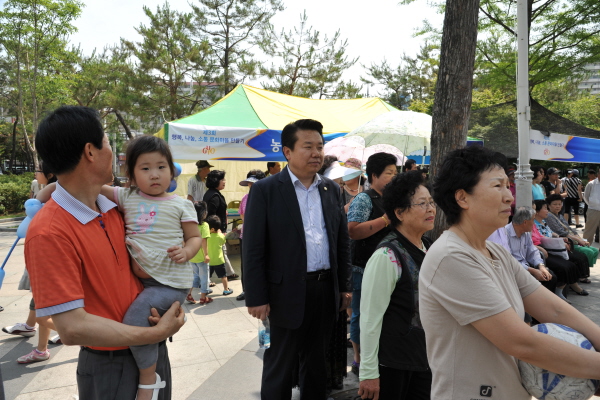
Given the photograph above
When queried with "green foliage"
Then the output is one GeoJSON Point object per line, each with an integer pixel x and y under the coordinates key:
{"type": "Point", "coordinates": [14, 191]}
{"type": "Point", "coordinates": [232, 26]}
{"type": "Point", "coordinates": [310, 64]}
{"type": "Point", "coordinates": [412, 81]}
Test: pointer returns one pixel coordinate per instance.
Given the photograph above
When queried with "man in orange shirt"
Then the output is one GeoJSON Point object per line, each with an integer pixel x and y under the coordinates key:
{"type": "Point", "coordinates": [79, 266]}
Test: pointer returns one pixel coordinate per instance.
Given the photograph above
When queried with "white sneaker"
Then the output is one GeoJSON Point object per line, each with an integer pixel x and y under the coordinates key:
{"type": "Point", "coordinates": [19, 329]}
{"type": "Point", "coordinates": [34, 356]}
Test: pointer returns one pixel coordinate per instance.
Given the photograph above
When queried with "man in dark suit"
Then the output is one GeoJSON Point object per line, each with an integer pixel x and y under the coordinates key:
{"type": "Point", "coordinates": [296, 266]}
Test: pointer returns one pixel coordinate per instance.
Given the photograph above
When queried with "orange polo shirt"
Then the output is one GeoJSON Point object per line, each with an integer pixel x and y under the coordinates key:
{"type": "Point", "coordinates": [72, 264]}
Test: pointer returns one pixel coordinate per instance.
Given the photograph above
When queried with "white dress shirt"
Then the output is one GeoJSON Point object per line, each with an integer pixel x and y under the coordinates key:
{"type": "Point", "coordinates": [317, 244]}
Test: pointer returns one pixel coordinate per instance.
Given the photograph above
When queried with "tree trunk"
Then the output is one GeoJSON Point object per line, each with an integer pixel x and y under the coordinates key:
{"type": "Point", "coordinates": [13, 153]}
{"type": "Point", "coordinates": [452, 103]}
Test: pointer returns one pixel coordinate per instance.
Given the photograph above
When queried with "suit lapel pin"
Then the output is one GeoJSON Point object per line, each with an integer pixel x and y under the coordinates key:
{"type": "Point", "coordinates": [325, 188]}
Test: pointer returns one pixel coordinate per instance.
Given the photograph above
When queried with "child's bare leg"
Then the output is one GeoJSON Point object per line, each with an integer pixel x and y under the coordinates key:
{"type": "Point", "coordinates": [224, 281]}
{"type": "Point", "coordinates": [31, 319]}
{"type": "Point", "coordinates": [147, 377]}
{"type": "Point", "coordinates": [43, 336]}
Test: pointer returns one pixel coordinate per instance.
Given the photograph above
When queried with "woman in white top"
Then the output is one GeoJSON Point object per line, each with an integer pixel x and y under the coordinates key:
{"type": "Point", "coordinates": [473, 294]}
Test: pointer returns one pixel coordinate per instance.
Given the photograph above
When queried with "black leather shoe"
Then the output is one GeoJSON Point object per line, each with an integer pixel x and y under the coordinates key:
{"type": "Point", "coordinates": [241, 297]}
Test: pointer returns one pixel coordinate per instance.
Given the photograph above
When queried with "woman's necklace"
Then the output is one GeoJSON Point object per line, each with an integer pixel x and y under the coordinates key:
{"type": "Point", "coordinates": [352, 190]}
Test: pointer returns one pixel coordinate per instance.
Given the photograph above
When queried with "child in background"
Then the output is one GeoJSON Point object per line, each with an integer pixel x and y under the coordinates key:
{"type": "Point", "coordinates": [201, 259]}
{"type": "Point", "coordinates": [215, 252]}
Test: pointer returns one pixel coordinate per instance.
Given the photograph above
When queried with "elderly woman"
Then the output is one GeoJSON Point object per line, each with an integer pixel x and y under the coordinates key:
{"type": "Point", "coordinates": [569, 271]}
{"type": "Point", "coordinates": [473, 294]}
{"type": "Point", "coordinates": [559, 225]}
{"type": "Point", "coordinates": [367, 225]}
{"type": "Point", "coordinates": [394, 362]}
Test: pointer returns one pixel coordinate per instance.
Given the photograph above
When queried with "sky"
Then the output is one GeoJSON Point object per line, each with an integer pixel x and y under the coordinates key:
{"type": "Point", "coordinates": [375, 29]}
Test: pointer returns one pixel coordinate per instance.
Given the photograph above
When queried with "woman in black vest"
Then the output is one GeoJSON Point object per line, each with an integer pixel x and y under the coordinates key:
{"type": "Point", "coordinates": [216, 205]}
{"type": "Point", "coordinates": [394, 361]}
{"type": "Point", "coordinates": [367, 225]}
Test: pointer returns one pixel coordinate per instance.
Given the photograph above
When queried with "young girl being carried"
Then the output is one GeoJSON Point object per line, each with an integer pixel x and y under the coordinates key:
{"type": "Point", "coordinates": [157, 226]}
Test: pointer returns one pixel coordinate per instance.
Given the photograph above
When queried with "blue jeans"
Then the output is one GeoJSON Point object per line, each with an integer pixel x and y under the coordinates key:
{"type": "Point", "coordinates": [357, 277]}
{"type": "Point", "coordinates": [200, 276]}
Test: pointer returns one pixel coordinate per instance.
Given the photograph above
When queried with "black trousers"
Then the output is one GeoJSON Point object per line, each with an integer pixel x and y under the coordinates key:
{"type": "Point", "coordinates": [106, 377]}
{"type": "Point", "coordinates": [306, 345]}
{"type": "Point", "coordinates": [396, 384]}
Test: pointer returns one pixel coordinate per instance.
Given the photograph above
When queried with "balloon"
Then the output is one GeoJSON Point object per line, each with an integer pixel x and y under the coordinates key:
{"type": "Point", "coordinates": [32, 210]}
{"type": "Point", "coordinates": [177, 169]}
{"type": "Point", "coordinates": [172, 186]}
{"type": "Point", "coordinates": [22, 229]}
{"type": "Point", "coordinates": [32, 202]}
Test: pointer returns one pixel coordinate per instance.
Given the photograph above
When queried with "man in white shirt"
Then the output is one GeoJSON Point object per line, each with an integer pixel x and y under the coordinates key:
{"type": "Point", "coordinates": [197, 185]}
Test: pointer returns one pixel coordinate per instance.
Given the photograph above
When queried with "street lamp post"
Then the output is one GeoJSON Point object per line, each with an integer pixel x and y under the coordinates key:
{"type": "Point", "coordinates": [524, 174]}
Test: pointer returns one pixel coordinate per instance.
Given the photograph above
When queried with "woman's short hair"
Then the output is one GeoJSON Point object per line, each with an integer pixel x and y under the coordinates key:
{"type": "Point", "coordinates": [214, 177]}
{"type": "Point", "coordinates": [398, 193]}
{"type": "Point", "coordinates": [536, 169]}
{"type": "Point", "coordinates": [327, 161]}
{"type": "Point", "coordinates": [147, 144]}
{"type": "Point", "coordinates": [523, 214]}
{"type": "Point", "coordinates": [257, 173]}
{"type": "Point", "coordinates": [553, 197]}
{"type": "Point", "coordinates": [539, 204]}
{"type": "Point", "coordinates": [462, 169]}
{"type": "Point", "coordinates": [377, 163]}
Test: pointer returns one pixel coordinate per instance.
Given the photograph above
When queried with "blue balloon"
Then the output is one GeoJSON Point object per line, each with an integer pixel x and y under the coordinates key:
{"type": "Point", "coordinates": [172, 186]}
{"type": "Point", "coordinates": [32, 210]}
{"type": "Point", "coordinates": [177, 169]}
{"type": "Point", "coordinates": [22, 229]}
{"type": "Point", "coordinates": [32, 202]}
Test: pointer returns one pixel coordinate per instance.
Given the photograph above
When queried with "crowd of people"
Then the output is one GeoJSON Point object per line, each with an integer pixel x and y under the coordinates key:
{"type": "Point", "coordinates": [323, 248]}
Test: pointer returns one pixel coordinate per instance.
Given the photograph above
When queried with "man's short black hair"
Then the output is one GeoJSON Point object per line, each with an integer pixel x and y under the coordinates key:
{"type": "Point", "coordinates": [592, 171]}
{"type": "Point", "coordinates": [398, 193]}
{"type": "Point", "coordinates": [408, 164]}
{"type": "Point", "coordinates": [288, 134]}
{"type": "Point", "coordinates": [270, 165]}
{"type": "Point", "coordinates": [62, 135]}
{"type": "Point", "coordinates": [378, 162]}
{"type": "Point", "coordinates": [214, 222]}
{"type": "Point", "coordinates": [214, 177]}
{"type": "Point", "coordinates": [462, 169]}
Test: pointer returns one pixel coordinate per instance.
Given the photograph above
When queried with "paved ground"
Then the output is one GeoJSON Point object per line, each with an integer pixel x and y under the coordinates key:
{"type": "Point", "coordinates": [214, 356]}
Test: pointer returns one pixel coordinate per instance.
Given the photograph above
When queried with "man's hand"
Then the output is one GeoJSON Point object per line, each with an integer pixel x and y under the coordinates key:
{"type": "Point", "coordinates": [369, 389]}
{"type": "Point", "coordinates": [345, 300]}
{"type": "Point", "coordinates": [537, 274]}
{"type": "Point", "coordinates": [260, 312]}
{"type": "Point", "coordinates": [177, 254]}
{"type": "Point", "coordinates": [546, 274]}
{"type": "Point", "coordinates": [170, 322]}
{"type": "Point", "coordinates": [206, 259]}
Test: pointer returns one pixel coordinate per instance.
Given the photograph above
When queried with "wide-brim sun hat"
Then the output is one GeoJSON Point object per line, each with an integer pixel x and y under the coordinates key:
{"type": "Point", "coordinates": [248, 180]}
{"type": "Point", "coordinates": [336, 171]}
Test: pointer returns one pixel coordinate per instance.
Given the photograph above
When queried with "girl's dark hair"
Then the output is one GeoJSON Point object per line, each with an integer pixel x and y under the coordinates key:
{"type": "Point", "coordinates": [47, 172]}
{"type": "Point", "coordinates": [214, 222]}
{"type": "Point", "coordinates": [536, 169]}
{"type": "Point", "coordinates": [462, 169]}
{"type": "Point", "coordinates": [143, 145]}
{"type": "Point", "coordinates": [539, 204]}
{"type": "Point", "coordinates": [257, 173]}
{"type": "Point", "coordinates": [214, 177]}
{"type": "Point", "coordinates": [553, 197]}
{"type": "Point", "coordinates": [377, 163]}
{"type": "Point", "coordinates": [398, 193]}
{"type": "Point", "coordinates": [201, 210]}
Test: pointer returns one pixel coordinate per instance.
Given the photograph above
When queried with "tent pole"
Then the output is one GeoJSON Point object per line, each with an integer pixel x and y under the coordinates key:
{"type": "Point", "coordinates": [524, 174]}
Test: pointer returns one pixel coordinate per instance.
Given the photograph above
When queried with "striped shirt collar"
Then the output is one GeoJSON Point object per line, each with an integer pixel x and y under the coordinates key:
{"type": "Point", "coordinates": [76, 208]}
{"type": "Point", "coordinates": [295, 179]}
